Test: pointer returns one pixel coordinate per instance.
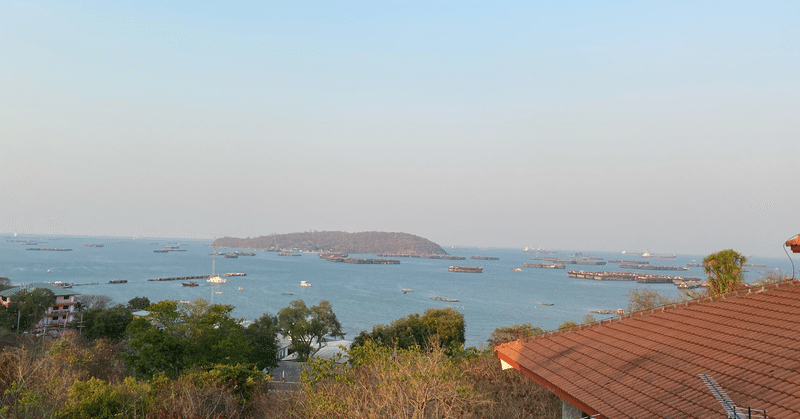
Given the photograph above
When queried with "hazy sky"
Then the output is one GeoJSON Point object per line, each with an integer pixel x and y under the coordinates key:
{"type": "Point", "coordinates": [668, 126]}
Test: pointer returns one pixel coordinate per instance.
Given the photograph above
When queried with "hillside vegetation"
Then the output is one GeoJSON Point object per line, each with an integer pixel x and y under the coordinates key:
{"type": "Point", "coordinates": [371, 242]}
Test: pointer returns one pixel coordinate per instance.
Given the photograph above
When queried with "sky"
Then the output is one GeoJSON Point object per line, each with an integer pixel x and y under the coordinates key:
{"type": "Point", "coordinates": [608, 126]}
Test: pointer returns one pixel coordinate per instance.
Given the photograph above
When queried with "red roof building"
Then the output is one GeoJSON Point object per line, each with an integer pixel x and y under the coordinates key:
{"type": "Point", "coordinates": [794, 244]}
{"type": "Point", "coordinates": [649, 364]}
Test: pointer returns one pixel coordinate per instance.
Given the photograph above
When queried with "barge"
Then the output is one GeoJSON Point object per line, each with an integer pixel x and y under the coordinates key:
{"type": "Point", "coordinates": [544, 265]}
{"type": "Point", "coordinates": [470, 269]}
{"type": "Point", "coordinates": [449, 300]}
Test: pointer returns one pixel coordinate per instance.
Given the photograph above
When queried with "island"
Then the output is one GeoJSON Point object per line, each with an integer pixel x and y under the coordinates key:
{"type": "Point", "coordinates": [369, 242]}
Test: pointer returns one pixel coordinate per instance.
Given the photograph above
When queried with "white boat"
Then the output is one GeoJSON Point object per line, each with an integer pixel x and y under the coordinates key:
{"type": "Point", "coordinates": [304, 284]}
{"type": "Point", "coordinates": [214, 278]}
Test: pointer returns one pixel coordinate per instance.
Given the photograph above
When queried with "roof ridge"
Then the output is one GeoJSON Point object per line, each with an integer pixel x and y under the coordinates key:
{"type": "Point", "coordinates": [670, 307]}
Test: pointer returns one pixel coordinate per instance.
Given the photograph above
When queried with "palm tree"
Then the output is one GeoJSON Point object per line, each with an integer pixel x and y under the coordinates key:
{"type": "Point", "coordinates": [724, 270]}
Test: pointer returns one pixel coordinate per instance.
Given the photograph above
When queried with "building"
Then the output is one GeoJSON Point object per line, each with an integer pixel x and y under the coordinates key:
{"type": "Point", "coordinates": [657, 363]}
{"type": "Point", "coordinates": [59, 316]}
{"type": "Point", "coordinates": [794, 244]}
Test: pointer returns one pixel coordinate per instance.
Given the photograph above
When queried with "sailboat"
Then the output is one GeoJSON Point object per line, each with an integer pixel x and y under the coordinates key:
{"type": "Point", "coordinates": [214, 278]}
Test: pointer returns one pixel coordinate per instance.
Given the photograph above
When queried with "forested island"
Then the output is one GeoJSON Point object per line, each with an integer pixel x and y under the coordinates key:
{"type": "Point", "coordinates": [372, 242]}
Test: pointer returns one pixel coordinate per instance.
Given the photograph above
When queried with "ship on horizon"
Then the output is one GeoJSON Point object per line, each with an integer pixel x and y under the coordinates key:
{"type": "Point", "coordinates": [646, 254]}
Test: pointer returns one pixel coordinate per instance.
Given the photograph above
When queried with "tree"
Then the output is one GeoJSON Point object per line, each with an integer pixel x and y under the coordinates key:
{"type": "Point", "coordinates": [262, 335]}
{"type": "Point", "coordinates": [567, 324]}
{"type": "Point", "coordinates": [89, 301]}
{"type": "Point", "coordinates": [26, 309]}
{"type": "Point", "coordinates": [138, 303]}
{"type": "Point", "coordinates": [773, 277]}
{"type": "Point", "coordinates": [645, 299]}
{"type": "Point", "coordinates": [293, 322]}
{"type": "Point", "coordinates": [303, 324]}
{"type": "Point", "coordinates": [444, 326]}
{"type": "Point", "coordinates": [507, 334]}
{"type": "Point", "coordinates": [324, 322]}
{"type": "Point", "coordinates": [5, 283]}
{"type": "Point", "coordinates": [724, 270]}
{"type": "Point", "coordinates": [109, 323]}
{"type": "Point", "coordinates": [175, 336]}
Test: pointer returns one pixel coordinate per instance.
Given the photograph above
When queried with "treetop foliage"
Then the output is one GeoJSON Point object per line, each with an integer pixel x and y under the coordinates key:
{"type": "Point", "coordinates": [724, 270]}
{"type": "Point", "coordinates": [303, 324]}
{"type": "Point", "coordinates": [443, 327]}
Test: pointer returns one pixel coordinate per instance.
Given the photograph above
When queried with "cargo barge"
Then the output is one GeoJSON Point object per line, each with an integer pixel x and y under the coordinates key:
{"type": "Point", "coordinates": [179, 278]}
{"type": "Point", "coordinates": [49, 249]}
{"type": "Point", "coordinates": [363, 261]}
{"type": "Point", "coordinates": [652, 267]}
{"type": "Point", "coordinates": [469, 269]}
{"type": "Point", "coordinates": [449, 300]}
{"type": "Point", "coordinates": [445, 257]}
{"type": "Point", "coordinates": [544, 265]}
{"type": "Point", "coordinates": [658, 255]}
{"type": "Point", "coordinates": [484, 257]}
{"type": "Point", "coordinates": [290, 254]}
{"type": "Point", "coordinates": [632, 276]}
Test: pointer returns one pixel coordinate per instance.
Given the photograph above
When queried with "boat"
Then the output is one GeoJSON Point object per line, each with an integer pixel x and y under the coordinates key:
{"type": "Point", "coordinates": [304, 284]}
{"type": "Point", "coordinates": [516, 269]}
{"type": "Point", "coordinates": [217, 292]}
{"type": "Point", "coordinates": [240, 288]}
{"type": "Point", "coordinates": [118, 281]}
{"type": "Point", "coordinates": [448, 300]}
{"type": "Point", "coordinates": [645, 254]}
{"type": "Point", "coordinates": [287, 293]}
{"type": "Point", "coordinates": [546, 304]}
{"type": "Point", "coordinates": [472, 269]}
{"type": "Point", "coordinates": [214, 278]}
{"type": "Point", "coordinates": [189, 284]}
{"type": "Point", "coordinates": [405, 290]}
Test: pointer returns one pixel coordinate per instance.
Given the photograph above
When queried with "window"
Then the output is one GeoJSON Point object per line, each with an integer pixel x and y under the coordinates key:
{"type": "Point", "coordinates": [65, 308]}
{"type": "Point", "coordinates": [55, 318]}
{"type": "Point", "coordinates": [63, 317]}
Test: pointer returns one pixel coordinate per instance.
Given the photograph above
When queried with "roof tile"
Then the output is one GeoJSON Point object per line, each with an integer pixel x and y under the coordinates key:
{"type": "Point", "coordinates": [647, 364]}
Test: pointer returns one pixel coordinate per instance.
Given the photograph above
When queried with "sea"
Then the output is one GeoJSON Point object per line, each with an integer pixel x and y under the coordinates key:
{"type": "Point", "coordinates": [361, 295]}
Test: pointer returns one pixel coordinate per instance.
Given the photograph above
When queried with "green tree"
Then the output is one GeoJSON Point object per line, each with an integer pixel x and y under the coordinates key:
{"type": "Point", "coordinates": [109, 323]}
{"type": "Point", "coordinates": [323, 322]}
{"type": "Point", "coordinates": [303, 324]}
{"type": "Point", "coordinates": [293, 322]}
{"type": "Point", "coordinates": [444, 327]}
{"type": "Point", "coordinates": [262, 335]}
{"type": "Point", "coordinates": [176, 335]}
{"type": "Point", "coordinates": [567, 325]}
{"type": "Point", "coordinates": [26, 309]}
{"type": "Point", "coordinates": [507, 334]}
{"type": "Point", "coordinates": [724, 270]}
{"type": "Point", "coordinates": [5, 283]}
{"type": "Point", "coordinates": [138, 303]}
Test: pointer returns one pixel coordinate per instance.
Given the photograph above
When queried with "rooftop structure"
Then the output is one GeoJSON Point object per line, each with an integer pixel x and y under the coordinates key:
{"type": "Point", "coordinates": [652, 363]}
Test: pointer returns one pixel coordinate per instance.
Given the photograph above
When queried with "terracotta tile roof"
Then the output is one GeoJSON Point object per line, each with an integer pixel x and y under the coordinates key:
{"type": "Point", "coordinates": [794, 244]}
{"type": "Point", "coordinates": [647, 364]}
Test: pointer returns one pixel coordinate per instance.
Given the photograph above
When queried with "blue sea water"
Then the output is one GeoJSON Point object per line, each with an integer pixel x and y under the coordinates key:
{"type": "Point", "coordinates": [361, 295]}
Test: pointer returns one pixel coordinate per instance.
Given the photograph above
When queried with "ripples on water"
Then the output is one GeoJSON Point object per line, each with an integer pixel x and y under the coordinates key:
{"type": "Point", "coordinates": [361, 295]}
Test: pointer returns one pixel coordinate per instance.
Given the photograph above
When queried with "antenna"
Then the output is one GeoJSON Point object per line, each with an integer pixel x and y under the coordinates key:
{"type": "Point", "coordinates": [733, 411]}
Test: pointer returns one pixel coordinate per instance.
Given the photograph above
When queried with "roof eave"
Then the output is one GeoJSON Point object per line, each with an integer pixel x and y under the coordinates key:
{"type": "Point", "coordinates": [563, 395]}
